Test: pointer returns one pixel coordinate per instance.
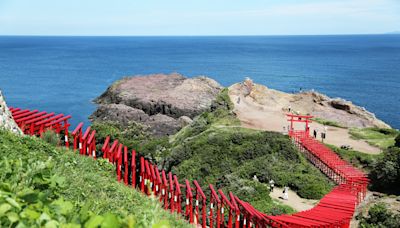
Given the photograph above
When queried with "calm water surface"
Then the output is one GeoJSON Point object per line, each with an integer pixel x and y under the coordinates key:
{"type": "Point", "coordinates": [64, 74]}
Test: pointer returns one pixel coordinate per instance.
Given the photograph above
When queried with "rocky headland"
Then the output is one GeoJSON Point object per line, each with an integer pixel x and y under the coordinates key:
{"type": "Point", "coordinates": [166, 103]}
{"type": "Point", "coordinates": [344, 112]}
{"type": "Point", "coordinates": [162, 103]}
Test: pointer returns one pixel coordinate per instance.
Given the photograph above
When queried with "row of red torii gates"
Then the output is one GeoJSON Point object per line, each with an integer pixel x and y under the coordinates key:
{"type": "Point", "coordinates": [335, 209]}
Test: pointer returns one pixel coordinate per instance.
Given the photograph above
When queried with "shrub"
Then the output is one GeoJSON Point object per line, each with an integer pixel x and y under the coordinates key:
{"type": "Point", "coordinates": [397, 141]}
{"type": "Point", "coordinates": [385, 175]}
{"type": "Point", "coordinates": [51, 137]}
{"type": "Point", "coordinates": [380, 216]}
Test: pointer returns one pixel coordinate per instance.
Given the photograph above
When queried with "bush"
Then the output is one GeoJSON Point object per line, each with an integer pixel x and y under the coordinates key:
{"type": "Point", "coordinates": [380, 216]}
{"type": "Point", "coordinates": [51, 137]}
{"type": "Point", "coordinates": [385, 175]}
{"type": "Point", "coordinates": [397, 141]}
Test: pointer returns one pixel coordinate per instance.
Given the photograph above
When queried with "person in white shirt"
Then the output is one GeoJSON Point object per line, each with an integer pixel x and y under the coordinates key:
{"type": "Point", "coordinates": [286, 193]}
{"type": "Point", "coordinates": [271, 185]}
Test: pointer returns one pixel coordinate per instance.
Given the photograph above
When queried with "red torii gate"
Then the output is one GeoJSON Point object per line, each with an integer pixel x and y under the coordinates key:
{"type": "Point", "coordinates": [299, 119]}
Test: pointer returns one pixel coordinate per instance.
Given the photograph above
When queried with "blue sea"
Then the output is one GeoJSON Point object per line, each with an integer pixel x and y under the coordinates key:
{"type": "Point", "coordinates": [64, 74]}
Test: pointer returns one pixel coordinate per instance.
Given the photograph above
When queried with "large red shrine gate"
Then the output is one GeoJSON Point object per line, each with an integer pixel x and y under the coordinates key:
{"type": "Point", "coordinates": [299, 119]}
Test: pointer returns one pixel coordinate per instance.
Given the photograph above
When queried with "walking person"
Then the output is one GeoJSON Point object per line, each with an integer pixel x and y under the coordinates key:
{"type": "Point", "coordinates": [286, 193]}
{"type": "Point", "coordinates": [315, 133]}
{"type": "Point", "coordinates": [271, 185]}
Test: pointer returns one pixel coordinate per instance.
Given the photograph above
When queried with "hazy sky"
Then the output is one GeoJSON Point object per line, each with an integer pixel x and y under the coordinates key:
{"type": "Point", "coordinates": [198, 17]}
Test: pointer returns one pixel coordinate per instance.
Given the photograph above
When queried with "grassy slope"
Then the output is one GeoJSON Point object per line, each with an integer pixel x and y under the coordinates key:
{"type": "Point", "coordinates": [215, 149]}
{"type": "Point", "coordinates": [358, 159]}
{"type": "Point", "coordinates": [327, 122]}
{"type": "Point", "coordinates": [53, 185]}
{"type": "Point", "coordinates": [380, 137]}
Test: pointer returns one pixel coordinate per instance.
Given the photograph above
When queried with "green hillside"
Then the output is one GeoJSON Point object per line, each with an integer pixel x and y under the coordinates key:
{"type": "Point", "coordinates": [45, 186]}
{"type": "Point", "coordinates": [214, 149]}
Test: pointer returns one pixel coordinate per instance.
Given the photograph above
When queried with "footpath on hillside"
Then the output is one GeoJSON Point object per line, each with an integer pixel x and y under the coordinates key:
{"type": "Point", "coordinates": [272, 117]}
{"type": "Point", "coordinates": [294, 200]}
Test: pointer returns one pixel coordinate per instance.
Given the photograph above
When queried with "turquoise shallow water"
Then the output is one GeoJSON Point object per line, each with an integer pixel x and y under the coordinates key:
{"type": "Point", "coordinates": [63, 74]}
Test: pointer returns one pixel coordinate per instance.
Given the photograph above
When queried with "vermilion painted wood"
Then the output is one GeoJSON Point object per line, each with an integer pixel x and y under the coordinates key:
{"type": "Point", "coordinates": [21, 112]}
{"type": "Point", "coordinates": [92, 144]}
{"type": "Point", "coordinates": [77, 134]}
{"type": "Point", "coordinates": [105, 147]}
{"type": "Point", "coordinates": [126, 172]}
{"type": "Point", "coordinates": [171, 192]}
{"type": "Point", "coordinates": [111, 151]}
{"type": "Point", "coordinates": [189, 202]}
{"type": "Point", "coordinates": [142, 174]}
{"type": "Point", "coordinates": [20, 116]}
{"type": "Point", "coordinates": [164, 191]}
{"type": "Point", "coordinates": [178, 194]}
{"type": "Point", "coordinates": [84, 141]}
{"type": "Point", "coordinates": [133, 168]}
{"type": "Point", "coordinates": [118, 161]}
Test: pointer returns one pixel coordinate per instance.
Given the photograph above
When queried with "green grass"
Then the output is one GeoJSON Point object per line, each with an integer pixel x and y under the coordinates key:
{"type": "Point", "coordinates": [45, 186]}
{"type": "Point", "coordinates": [359, 159]}
{"type": "Point", "coordinates": [379, 137]}
{"type": "Point", "coordinates": [328, 122]}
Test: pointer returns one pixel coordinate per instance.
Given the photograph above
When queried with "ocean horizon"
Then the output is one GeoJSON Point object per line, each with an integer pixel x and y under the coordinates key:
{"type": "Point", "coordinates": [65, 73]}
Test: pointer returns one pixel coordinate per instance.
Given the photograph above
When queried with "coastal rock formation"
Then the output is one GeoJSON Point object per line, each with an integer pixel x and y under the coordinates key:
{"type": "Point", "coordinates": [6, 120]}
{"type": "Point", "coordinates": [319, 105]}
{"type": "Point", "coordinates": [164, 103]}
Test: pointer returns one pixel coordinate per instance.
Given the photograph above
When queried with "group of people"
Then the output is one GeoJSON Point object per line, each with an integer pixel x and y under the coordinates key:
{"type": "Point", "coordinates": [323, 133]}
{"type": "Point", "coordinates": [285, 190]}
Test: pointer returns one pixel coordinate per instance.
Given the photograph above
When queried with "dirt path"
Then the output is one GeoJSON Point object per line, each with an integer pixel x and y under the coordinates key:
{"type": "Point", "coordinates": [294, 201]}
{"type": "Point", "coordinates": [256, 116]}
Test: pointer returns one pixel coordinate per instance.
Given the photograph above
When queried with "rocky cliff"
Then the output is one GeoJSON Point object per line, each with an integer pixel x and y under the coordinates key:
{"type": "Point", "coordinates": [163, 103]}
{"type": "Point", "coordinates": [6, 120]}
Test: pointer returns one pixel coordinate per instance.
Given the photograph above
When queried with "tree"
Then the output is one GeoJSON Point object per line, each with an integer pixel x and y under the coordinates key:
{"type": "Point", "coordinates": [397, 141]}
{"type": "Point", "coordinates": [380, 216]}
{"type": "Point", "coordinates": [385, 175]}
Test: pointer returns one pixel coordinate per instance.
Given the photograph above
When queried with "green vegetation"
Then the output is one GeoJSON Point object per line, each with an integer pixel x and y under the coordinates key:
{"type": "Point", "coordinates": [51, 137]}
{"type": "Point", "coordinates": [380, 216]}
{"type": "Point", "coordinates": [397, 141]}
{"type": "Point", "coordinates": [379, 137]}
{"type": "Point", "coordinates": [327, 122]}
{"type": "Point", "coordinates": [45, 186]}
{"type": "Point", "coordinates": [359, 159]}
{"type": "Point", "coordinates": [134, 136]}
{"type": "Point", "coordinates": [215, 149]}
{"type": "Point", "coordinates": [385, 175]}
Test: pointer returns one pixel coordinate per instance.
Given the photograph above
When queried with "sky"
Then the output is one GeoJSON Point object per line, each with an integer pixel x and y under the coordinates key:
{"type": "Point", "coordinates": [198, 17]}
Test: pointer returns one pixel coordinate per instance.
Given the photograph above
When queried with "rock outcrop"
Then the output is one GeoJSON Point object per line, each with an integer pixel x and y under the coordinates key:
{"type": "Point", "coordinates": [319, 105]}
{"type": "Point", "coordinates": [6, 120]}
{"type": "Point", "coordinates": [164, 103]}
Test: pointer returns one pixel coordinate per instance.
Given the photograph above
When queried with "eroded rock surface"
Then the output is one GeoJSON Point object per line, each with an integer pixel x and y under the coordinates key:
{"type": "Point", "coordinates": [6, 120]}
{"type": "Point", "coordinates": [319, 105]}
{"type": "Point", "coordinates": [164, 103]}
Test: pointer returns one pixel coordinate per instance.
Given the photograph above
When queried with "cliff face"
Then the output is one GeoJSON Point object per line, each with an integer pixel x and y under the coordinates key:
{"type": "Point", "coordinates": [6, 120]}
{"type": "Point", "coordinates": [164, 103]}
